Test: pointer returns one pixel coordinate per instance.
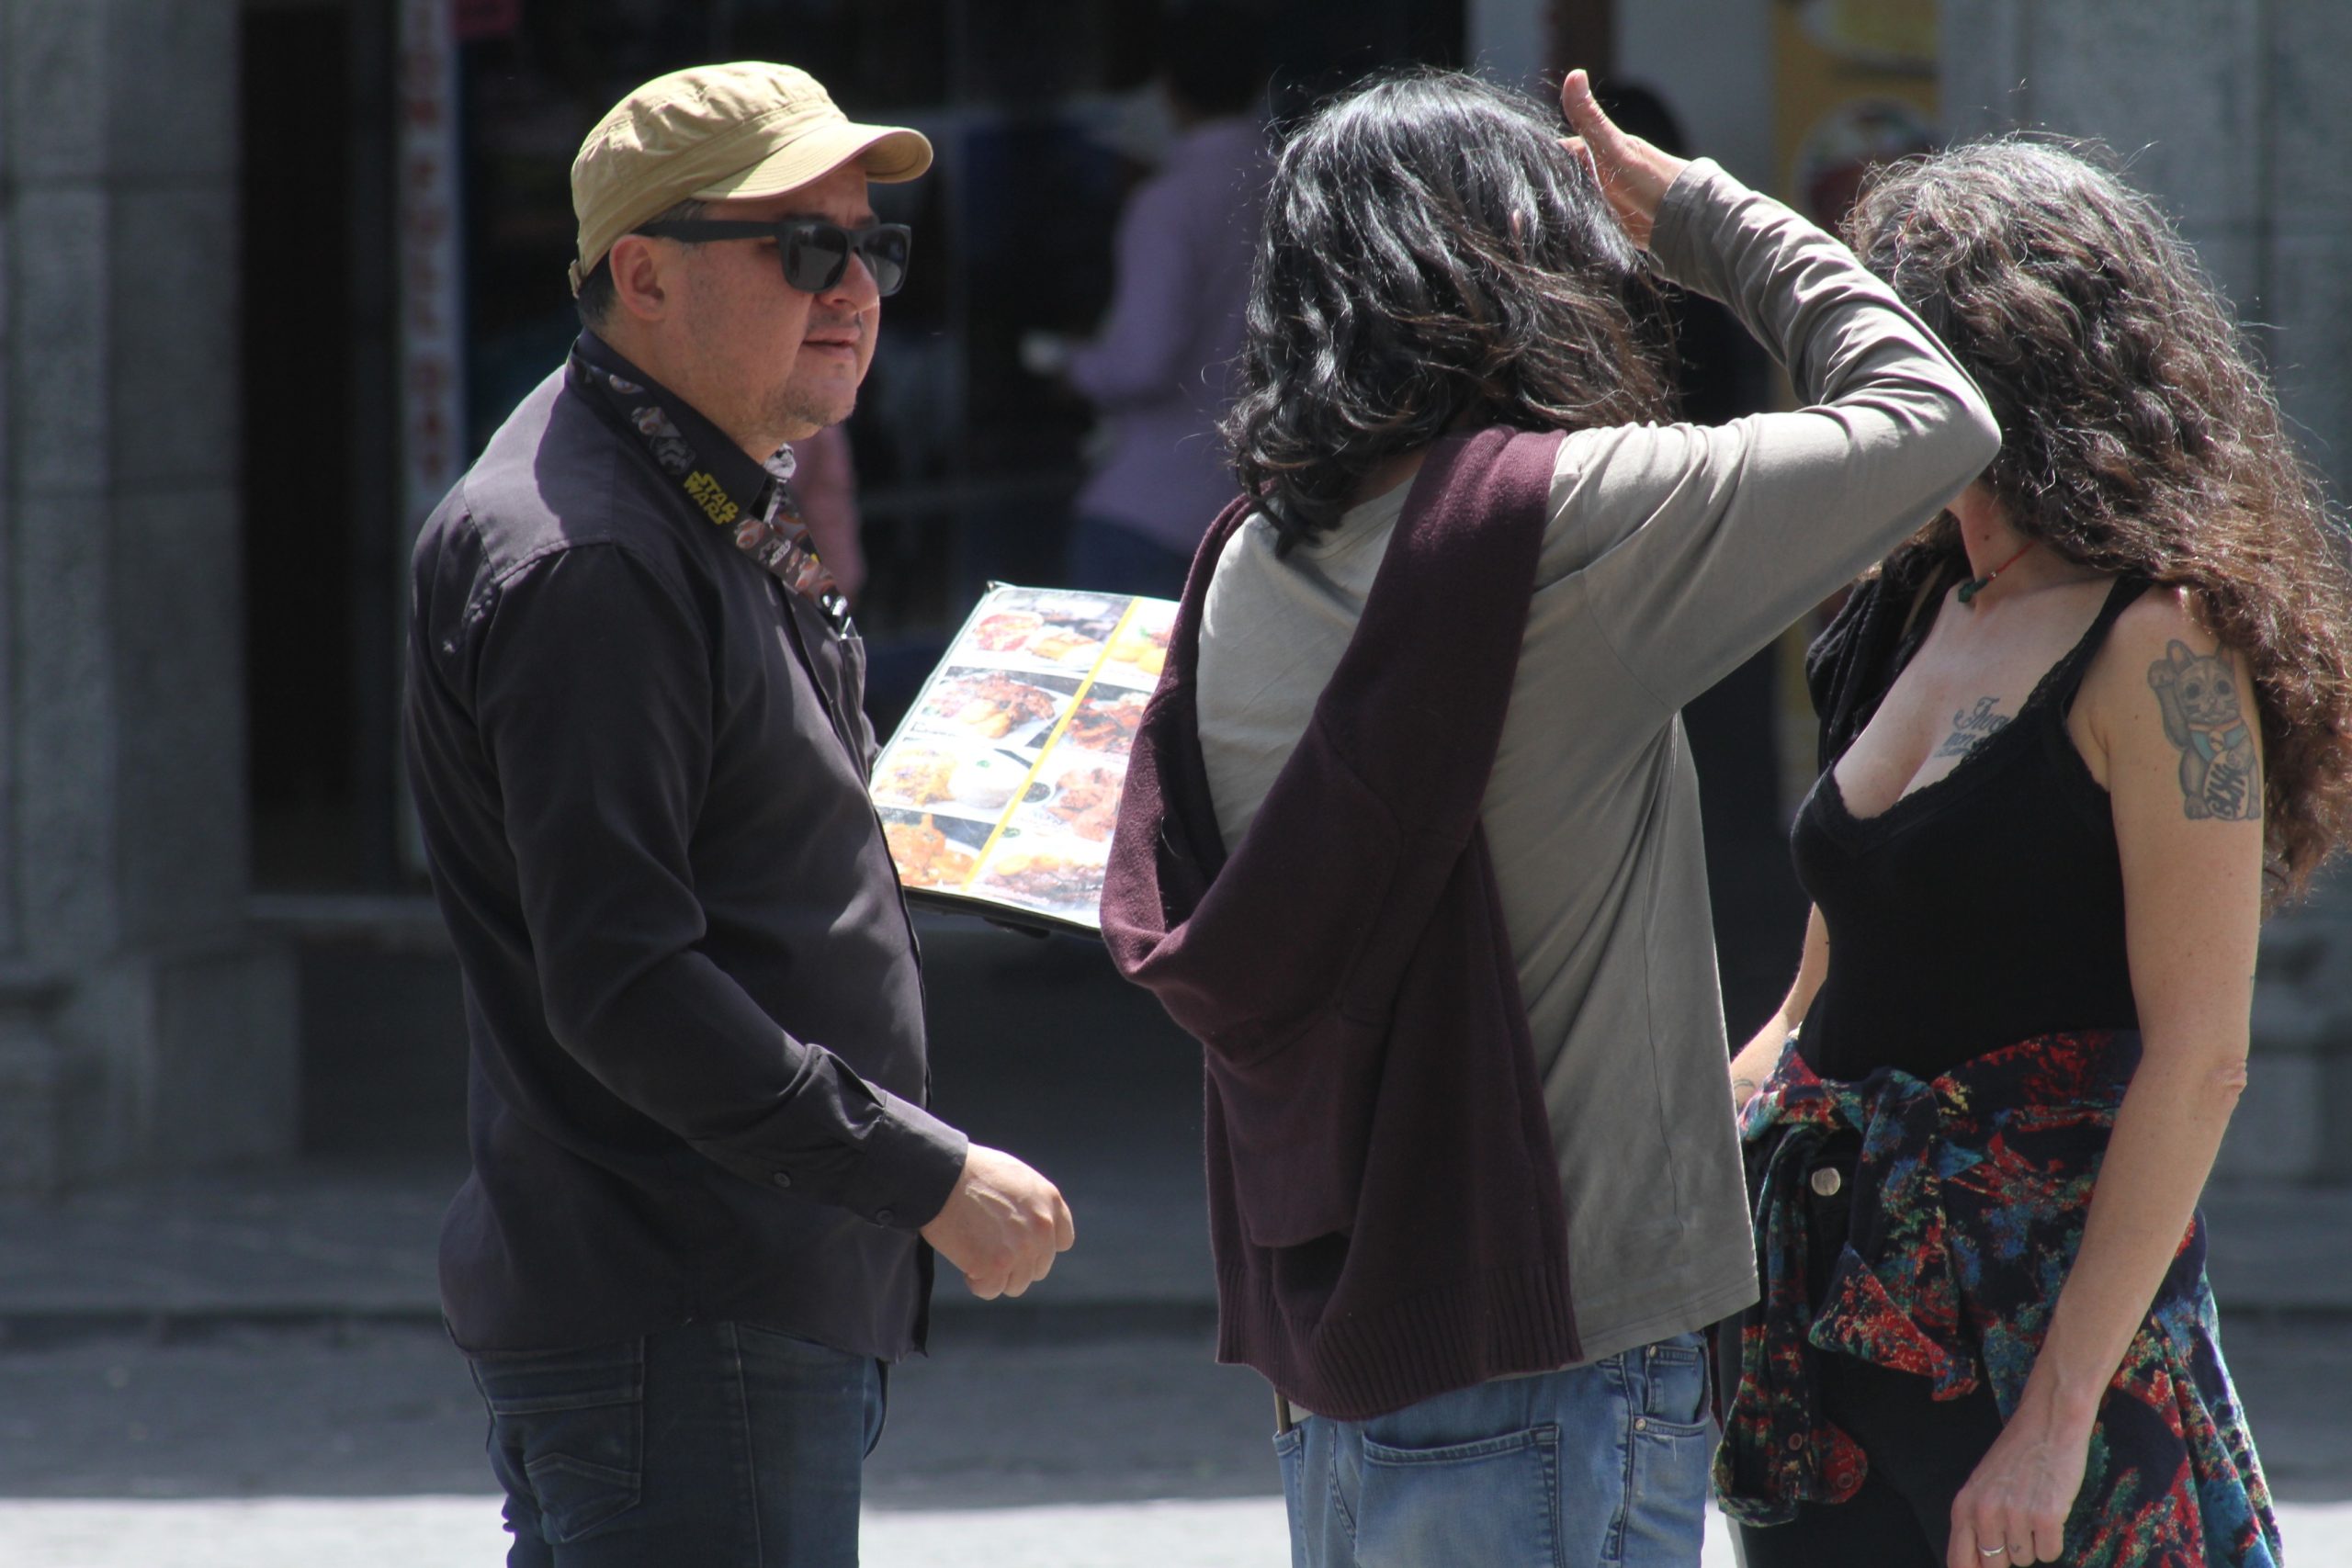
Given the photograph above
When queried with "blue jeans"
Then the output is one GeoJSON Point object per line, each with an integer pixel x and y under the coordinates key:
{"type": "Point", "coordinates": [1602, 1463]}
{"type": "Point", "coordinates": [710, 1445]}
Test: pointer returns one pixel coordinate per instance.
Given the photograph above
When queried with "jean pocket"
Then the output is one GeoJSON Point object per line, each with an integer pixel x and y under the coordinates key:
{"type": "Point", "coordinates": [1674, 1387]}
{"type": "Point", "coordinates": [1661, 1522]}
{"type": "Point", "coordinates": [1495, 1501]}
{"type": "Point", "coordinates": [568, 1429]}
{"type": "Point", "coordinates": [1290, 1453]}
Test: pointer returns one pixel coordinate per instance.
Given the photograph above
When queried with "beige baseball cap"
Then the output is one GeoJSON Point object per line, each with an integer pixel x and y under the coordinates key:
{"type": "Point", "coordinates": [713, 131]}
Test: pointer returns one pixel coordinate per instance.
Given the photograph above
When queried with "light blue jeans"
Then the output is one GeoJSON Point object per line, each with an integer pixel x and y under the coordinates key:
{"type": "Point", "coordinates": [1602, 1463]}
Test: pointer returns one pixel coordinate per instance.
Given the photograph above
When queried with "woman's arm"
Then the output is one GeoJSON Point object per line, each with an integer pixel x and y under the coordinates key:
{"type": "Point", "coordinates": [2171, 725]}
{"type": "Point", "coordinates": [1760, 1055]}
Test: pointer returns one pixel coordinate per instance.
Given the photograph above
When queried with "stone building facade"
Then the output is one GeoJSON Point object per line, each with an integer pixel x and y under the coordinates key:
{"type": "Point", "coordinates": [142, 1026]}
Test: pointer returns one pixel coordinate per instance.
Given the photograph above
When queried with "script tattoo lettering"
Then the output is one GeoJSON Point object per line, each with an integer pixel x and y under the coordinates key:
{"type": "Point", "coordinates": [1972, 729]}
{"type": "Point", "coordinates": [2198, 695]}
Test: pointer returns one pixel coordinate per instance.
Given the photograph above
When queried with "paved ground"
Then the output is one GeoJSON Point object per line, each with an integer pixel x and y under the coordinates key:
{"type": "Point", "coordinates": [362, 1446]}
{"type": "Point", "coordinates": [246, 1370]}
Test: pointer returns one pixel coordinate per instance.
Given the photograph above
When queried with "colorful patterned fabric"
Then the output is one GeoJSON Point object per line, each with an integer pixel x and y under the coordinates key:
{"type": "Point", "coordinates": [1968, 1201]}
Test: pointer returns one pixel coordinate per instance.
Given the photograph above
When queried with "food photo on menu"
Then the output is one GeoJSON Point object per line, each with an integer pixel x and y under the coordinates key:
{"type": "Point", "coordinates": [933, 850]}
{"type": "Point", "coordinates": [1106, 720]}
{"type": "Point", "coordinates": [1001, 790]}
{"type": "Point", "coordinates": [989, 704]}
{"type": "Point", "coordinates": [1077, 795]}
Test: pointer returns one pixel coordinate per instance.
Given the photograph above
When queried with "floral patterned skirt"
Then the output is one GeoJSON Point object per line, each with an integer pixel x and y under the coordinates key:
{"type": "Point", "coordinates": [1968, 1201]}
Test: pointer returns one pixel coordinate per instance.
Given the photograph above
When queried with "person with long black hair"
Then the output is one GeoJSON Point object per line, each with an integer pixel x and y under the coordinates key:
{"type": "Point", "coordinates": [2077, 736]}
{"type": "Point", "coordinates": [1411, 839]}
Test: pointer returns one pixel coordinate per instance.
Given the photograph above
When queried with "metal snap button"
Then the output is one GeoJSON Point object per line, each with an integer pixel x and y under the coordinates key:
{"type": "Point", "coordinates": [1825, 1181]}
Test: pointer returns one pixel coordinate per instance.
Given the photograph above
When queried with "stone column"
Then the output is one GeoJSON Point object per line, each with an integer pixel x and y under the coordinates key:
{"type": "Point", "coordinates": [2233, 114]}
{"type": "Point", "coordinates": [143, 1028]}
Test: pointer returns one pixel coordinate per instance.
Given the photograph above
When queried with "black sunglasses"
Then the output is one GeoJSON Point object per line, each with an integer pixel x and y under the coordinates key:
{"type": "Point", "coordinates": [815, 253]}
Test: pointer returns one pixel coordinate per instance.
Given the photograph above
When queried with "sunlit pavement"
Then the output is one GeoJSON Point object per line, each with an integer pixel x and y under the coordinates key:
{"type": "Point", "coordinates": [462, 1532]}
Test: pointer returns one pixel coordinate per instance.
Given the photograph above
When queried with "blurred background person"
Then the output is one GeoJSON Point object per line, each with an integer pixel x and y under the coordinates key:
{"type": "Point", "coordinates": [1157, 370]}
{"type": "Point", "coordinates": [824, 478]}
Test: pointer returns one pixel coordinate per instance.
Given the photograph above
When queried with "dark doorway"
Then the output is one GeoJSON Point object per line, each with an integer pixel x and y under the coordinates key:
{"type": "Point", "coordinates": [300, 524]}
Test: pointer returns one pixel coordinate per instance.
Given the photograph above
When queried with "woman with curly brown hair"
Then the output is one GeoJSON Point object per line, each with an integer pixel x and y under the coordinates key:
{"type": "Point", "coordinates": [2077, 736]}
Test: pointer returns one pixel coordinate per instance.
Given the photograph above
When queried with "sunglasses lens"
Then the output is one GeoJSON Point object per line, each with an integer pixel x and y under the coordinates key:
{"type": "Point", "coordinates": [815, 255]}
{"type": "Point", "coordinates": [884, 251]}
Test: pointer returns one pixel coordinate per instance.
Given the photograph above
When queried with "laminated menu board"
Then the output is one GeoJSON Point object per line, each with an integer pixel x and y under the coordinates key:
{"type": "Point", "coordinates": [998, 791]}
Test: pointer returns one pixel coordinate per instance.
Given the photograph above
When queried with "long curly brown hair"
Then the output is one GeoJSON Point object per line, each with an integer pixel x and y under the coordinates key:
{"type": "Point", "coordinates": [1431, 260]}
{"type": "Point", "coordinates": [2138, 434]}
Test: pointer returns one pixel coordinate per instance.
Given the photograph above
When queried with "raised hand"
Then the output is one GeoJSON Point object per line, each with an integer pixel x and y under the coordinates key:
{"type": "Point", "coordinates": [1633, 173]}
{"type": "Point", "coordinates": [1002, 1224]}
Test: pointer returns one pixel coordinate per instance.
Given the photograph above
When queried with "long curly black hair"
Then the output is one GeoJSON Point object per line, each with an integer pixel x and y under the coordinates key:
{"type": "Point", "coordinates": [2138, 434]}
{"type": "Point", "coordinates": [1431, 260]}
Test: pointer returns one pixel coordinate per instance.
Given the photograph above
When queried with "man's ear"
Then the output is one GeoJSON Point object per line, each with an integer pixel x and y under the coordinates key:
{"type": "Point", "coordinates": [642, 276]}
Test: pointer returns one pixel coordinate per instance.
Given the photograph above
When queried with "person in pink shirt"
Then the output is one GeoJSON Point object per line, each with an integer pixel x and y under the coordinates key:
{"type": "Point", "coordinates": [825, 479]}
{"type": "Point", "coordinates": [1157, 369]}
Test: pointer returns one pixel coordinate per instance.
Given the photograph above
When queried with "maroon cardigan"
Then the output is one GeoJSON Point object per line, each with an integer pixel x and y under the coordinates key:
{"type": "Point", "coordinates": [1384, 1203]}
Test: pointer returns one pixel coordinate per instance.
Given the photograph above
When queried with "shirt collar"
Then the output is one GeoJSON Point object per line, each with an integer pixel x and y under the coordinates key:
{"type": "Point", "coordinates": [745, 482]}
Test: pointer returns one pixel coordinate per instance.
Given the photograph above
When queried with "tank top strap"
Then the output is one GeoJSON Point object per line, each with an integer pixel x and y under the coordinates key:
{"type": "Point", "coordinates": [2065, 677]}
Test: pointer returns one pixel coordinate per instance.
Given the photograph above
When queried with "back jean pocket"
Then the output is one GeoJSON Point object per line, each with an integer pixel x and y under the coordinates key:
{"type": "Point", "coordinates": [567, 1430]}
{"type": "Point", "coordinates": [1493, 1502]}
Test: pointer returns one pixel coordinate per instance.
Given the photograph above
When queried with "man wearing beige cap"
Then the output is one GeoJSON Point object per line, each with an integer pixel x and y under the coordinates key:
{"type": "Point", "coordinates": [703, 1173]}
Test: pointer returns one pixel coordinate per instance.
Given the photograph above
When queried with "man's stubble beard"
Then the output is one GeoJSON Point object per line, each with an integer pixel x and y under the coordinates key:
{"type": "Point", "coordinates": [795, 408]}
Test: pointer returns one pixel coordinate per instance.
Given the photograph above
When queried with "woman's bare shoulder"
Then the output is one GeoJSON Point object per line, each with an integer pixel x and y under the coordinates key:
{"type": "Point", "coordinates": [2146, 632]}
{"type": "Point", "coordinates": [2157, 643]}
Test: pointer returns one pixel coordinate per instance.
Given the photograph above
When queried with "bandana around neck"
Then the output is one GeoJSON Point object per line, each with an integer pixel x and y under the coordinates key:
{"type": "Point", "coordinates": [770, 530]}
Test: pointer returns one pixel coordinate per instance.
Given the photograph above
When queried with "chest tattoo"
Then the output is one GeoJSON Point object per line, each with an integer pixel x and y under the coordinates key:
{"type": "Point", "coordinates": [1970, 727]}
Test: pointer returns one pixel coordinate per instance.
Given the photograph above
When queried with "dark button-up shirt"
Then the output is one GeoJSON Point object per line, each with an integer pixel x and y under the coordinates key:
{"type": "Point", "coordinates": [693, 995]}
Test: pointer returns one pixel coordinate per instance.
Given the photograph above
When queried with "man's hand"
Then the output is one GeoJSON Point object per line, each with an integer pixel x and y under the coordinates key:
{"type": "Point", "coordinates": [1633, 174]}
{"type": "Point", "coordinates": [1002, 1224]}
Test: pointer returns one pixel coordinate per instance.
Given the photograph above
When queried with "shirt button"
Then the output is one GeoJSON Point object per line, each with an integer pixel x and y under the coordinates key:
{"type": "Point", "coordinates": [1825, 1181]}
{"type": "Point", "coordinates": [883, 1216]}
{"type": "Point", "coordinates": [782, 1178]}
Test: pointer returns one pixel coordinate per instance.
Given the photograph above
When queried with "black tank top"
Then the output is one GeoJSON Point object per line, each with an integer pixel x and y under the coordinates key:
{"type": "Point", "coordinates": [1976, 911]}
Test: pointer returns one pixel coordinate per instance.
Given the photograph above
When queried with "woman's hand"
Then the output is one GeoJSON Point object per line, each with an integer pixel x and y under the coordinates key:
{"type": "Point", "coordinates": [1756, 1059]}
{"type": "Point", "coordinates": [2018, 1496]}
{"type": "Point", "coordinates": [1633, 174]}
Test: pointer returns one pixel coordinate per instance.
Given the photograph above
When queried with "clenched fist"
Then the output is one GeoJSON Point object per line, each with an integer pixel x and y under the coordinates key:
{"type": "Point", "coordinates": [1002, 1224]}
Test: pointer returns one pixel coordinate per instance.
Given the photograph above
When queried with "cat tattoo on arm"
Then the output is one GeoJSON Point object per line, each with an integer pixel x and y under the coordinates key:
{"type": "Point", "coordinates": [2198, 695]}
